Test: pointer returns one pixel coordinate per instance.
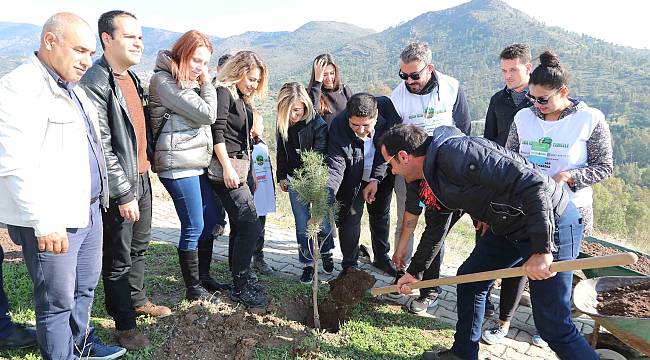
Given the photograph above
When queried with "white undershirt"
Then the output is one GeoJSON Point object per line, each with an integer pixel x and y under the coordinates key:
{"type": "Point", "coordinates": [368, 156]}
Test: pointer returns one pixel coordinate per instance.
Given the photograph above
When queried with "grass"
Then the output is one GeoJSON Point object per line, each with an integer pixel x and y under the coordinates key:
{"type": "Point", "coordinates": [375, 331]}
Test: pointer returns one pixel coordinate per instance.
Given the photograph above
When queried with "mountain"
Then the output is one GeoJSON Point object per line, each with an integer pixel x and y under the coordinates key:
{"type": "Point", "coordinates": [281, 50]}
{"type": "Point", "coordinates": [466, 41]}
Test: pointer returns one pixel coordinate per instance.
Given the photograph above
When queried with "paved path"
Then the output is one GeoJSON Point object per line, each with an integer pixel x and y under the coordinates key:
{"type": "Point", "coordinates": [281, 252]}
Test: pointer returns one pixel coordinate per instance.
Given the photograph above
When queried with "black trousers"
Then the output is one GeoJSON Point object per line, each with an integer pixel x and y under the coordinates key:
{"type": "Point", "coordinates": [349, 224]}
{"type": "Point", "coordinates": [432, 271]}
{"type": "Point", "coordinates": [125, 244]}
{"type": "Point", "coordinates": [245, 226]}
{"type": "Point", "coordinates": [258, 254]}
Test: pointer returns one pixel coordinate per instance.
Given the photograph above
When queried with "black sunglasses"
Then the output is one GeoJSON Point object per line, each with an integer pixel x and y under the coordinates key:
{"type": "Point", "coordinates": [415, 76]}
{"type": "Point", "coordinates": [540, 100]}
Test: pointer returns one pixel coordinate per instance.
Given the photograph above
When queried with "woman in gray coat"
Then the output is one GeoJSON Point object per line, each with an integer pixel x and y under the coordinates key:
{"type": "Point", "coordinates": [183, 105]}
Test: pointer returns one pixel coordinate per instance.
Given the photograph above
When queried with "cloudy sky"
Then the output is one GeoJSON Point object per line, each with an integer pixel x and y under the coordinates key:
{"type": "Point", "coordinates": [622, 22]}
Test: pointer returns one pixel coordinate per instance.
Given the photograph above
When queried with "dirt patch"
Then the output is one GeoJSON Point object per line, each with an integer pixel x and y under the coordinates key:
{"type": "Point", "coordinates": [335, 308]}
{"type": "Point", "coordinates": [226, 331]}
{"type": "Point", "coordinates": [630, 300]}
{"type": "Point", "coordinates": [349, 289]}
{"type": "Point", "coordinates": [13, 252]}
{"type": "Point", "coordinates": [594, 249]}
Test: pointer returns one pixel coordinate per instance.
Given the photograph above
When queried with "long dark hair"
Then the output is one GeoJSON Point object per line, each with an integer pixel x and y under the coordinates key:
{"type": "Point", "coordinates": [324, 107]}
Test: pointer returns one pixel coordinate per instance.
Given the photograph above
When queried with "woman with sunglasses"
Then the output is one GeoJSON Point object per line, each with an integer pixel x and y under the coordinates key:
{"type": "Point", "coordinates": [566, 138]}
{"type": "Point", "coordinates": [326, 91]}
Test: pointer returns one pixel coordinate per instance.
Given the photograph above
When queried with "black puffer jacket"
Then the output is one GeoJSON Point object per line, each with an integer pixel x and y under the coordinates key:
{"type": "Point", "coordinates": [345, 153]}
{"type": "Point", "coordinates": [117, 133]}
{"type": "Point", "coordinates": [312, 137]}
{"type": "Point", "coordinates": [493, 185]}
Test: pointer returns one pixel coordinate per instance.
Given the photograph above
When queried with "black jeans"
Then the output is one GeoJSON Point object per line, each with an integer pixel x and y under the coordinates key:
{"type": "Point", "coordinates": [349, 224]}
{"type": "Point", "coordinates": [432, 271]}
{"type": "Point", "coordinates": [125, 244]}
{"type": "Point", "coordinates": [245, 226]}
{"type": "Point", "coordinates": [258, 254]}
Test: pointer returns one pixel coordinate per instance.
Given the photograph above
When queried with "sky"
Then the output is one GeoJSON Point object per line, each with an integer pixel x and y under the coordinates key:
{"type": "Point", "coordinates": [622, 22]}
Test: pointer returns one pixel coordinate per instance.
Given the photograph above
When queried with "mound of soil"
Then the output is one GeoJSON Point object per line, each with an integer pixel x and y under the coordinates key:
{"type": "Point", "coordinates": [349, 289]}
{"type": "Point", "coordinates": [594, 249]}
{"type": "Point", "coordinates": [630, 300]}
{"type": "Point", "coordinates": [224, 331]}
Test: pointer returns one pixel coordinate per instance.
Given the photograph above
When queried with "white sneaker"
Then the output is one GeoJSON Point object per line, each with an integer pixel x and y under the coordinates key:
{"type": "Point", "coordinates": [539, 342]}
{"type": "Point", "coordinates": [423, 303]}
{"type": "Point", "coordinates": [494, 335]}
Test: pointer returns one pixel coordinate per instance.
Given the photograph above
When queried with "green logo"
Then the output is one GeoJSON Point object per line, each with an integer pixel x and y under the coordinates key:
{"type": "Point", "coordinates": [259, 159]}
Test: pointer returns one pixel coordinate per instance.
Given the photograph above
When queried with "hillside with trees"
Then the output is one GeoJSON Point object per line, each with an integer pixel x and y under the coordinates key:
{"type": "Point", "coordinates": [466, 41]}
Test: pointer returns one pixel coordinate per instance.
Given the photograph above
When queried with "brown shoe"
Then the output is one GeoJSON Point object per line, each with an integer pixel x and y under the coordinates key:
{"type": "Point", "coordinates": [132, 339]}
{"type": "Point", "coordinates": [154, 310]}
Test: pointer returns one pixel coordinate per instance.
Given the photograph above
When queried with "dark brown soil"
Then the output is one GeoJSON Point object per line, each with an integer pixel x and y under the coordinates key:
{"type": "Point", "coordinates": [331, 314]}
{"type": "Point", "coordinates": [349, 289]}
{"type": "Point", "coordinates": [226, 332]}
{"type": "Point", "coordinates": [12, 251]}
{"type": "Point", "coordinates": [333, 310]}
{"type": "Point", "coordinates": [594, 249]}
{"type": "Point", "coordinates": [630, 300]}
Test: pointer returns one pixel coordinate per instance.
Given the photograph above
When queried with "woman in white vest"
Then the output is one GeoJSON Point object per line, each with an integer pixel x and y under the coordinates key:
{"type": "Point", "coordinates": [566, 138]}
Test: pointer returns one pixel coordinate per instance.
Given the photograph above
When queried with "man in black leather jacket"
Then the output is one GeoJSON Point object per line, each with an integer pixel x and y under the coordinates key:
{"type": "Point", "coordinates": [363, 122]}
{"type": "Point", "coordinates": [121, 103]}
{"type": "Point", "coordinates": [527, 216]}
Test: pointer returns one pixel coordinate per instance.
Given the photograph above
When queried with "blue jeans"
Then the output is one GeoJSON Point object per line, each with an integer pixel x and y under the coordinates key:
{"type": "Point", "coordinates": [301, 213]}
{"type": "Point", "coordinates": [551, 298]}
{"type": "Point", "coordinates": [194, 202]}
{"type": "Point", "coordinates": [64, 285]}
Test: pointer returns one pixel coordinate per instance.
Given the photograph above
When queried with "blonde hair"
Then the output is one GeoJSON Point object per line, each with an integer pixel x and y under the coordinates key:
{"type": "Point", "coordinates": [289, 93]}
{"type": "Point", "coordinates": [238, 66]}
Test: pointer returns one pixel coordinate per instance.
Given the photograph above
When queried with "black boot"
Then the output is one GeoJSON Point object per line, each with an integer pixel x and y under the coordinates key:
{"type": "Point", "coordinates": [205, 259]}
{"type": "Point", "coordinates": [189, 261]}
{"type": "Point", "coordinates": [244, 294]}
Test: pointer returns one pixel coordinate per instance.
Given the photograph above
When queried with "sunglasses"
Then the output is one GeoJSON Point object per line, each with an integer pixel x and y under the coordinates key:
{"type": "Point", "coordinates": [540, 100]}
{"type": "Point", "coordinates": [415, 76]}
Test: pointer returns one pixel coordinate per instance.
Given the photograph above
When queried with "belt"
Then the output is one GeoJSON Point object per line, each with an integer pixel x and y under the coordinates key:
{"type": "Point", "coordinates": [94, 199]}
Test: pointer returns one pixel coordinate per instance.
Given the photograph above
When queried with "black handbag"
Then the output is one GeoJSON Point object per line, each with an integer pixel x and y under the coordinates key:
{"type": "Point", "coordinates": [241, 166]}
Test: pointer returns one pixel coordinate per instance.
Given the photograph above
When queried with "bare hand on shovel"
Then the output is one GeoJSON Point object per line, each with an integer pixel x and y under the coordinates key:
{"type": "Point", "coordinates": [407, 284]}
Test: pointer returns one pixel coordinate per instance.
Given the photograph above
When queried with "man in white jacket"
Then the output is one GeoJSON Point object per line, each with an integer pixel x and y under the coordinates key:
{"type": "Point", "coordinates": [53, 185]}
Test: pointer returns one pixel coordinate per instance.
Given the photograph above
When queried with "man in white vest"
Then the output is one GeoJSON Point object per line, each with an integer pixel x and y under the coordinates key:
{"type": "Point", "coordinates": [427, 99]}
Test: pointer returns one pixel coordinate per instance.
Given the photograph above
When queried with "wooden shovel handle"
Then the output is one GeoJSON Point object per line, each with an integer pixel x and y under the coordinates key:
{"type": "Point", "coordinates": [560, 266]}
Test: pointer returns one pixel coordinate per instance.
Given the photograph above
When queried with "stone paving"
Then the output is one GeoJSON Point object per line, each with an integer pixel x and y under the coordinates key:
{"type": "Point", "coordinates": [281, 252]}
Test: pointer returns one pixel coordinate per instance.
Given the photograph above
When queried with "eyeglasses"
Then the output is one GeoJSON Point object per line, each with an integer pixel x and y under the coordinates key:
{"type": "Point", "coordinates": [391, 158]}
{"type": "Point", "coordinates": [415, 76]}
{"type": "Point", "coordinates": [540, 100]}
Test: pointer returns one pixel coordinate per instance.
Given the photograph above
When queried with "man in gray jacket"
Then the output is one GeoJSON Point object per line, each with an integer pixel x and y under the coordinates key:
{"type": "Point", "coordinates": [121, 104]}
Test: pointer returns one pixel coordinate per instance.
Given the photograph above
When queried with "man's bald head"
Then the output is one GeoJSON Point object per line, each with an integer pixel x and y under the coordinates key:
{"type": "Point", "coordinates": [58, 23]}
{"type": "Point", "coordinates": [67, 44]}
